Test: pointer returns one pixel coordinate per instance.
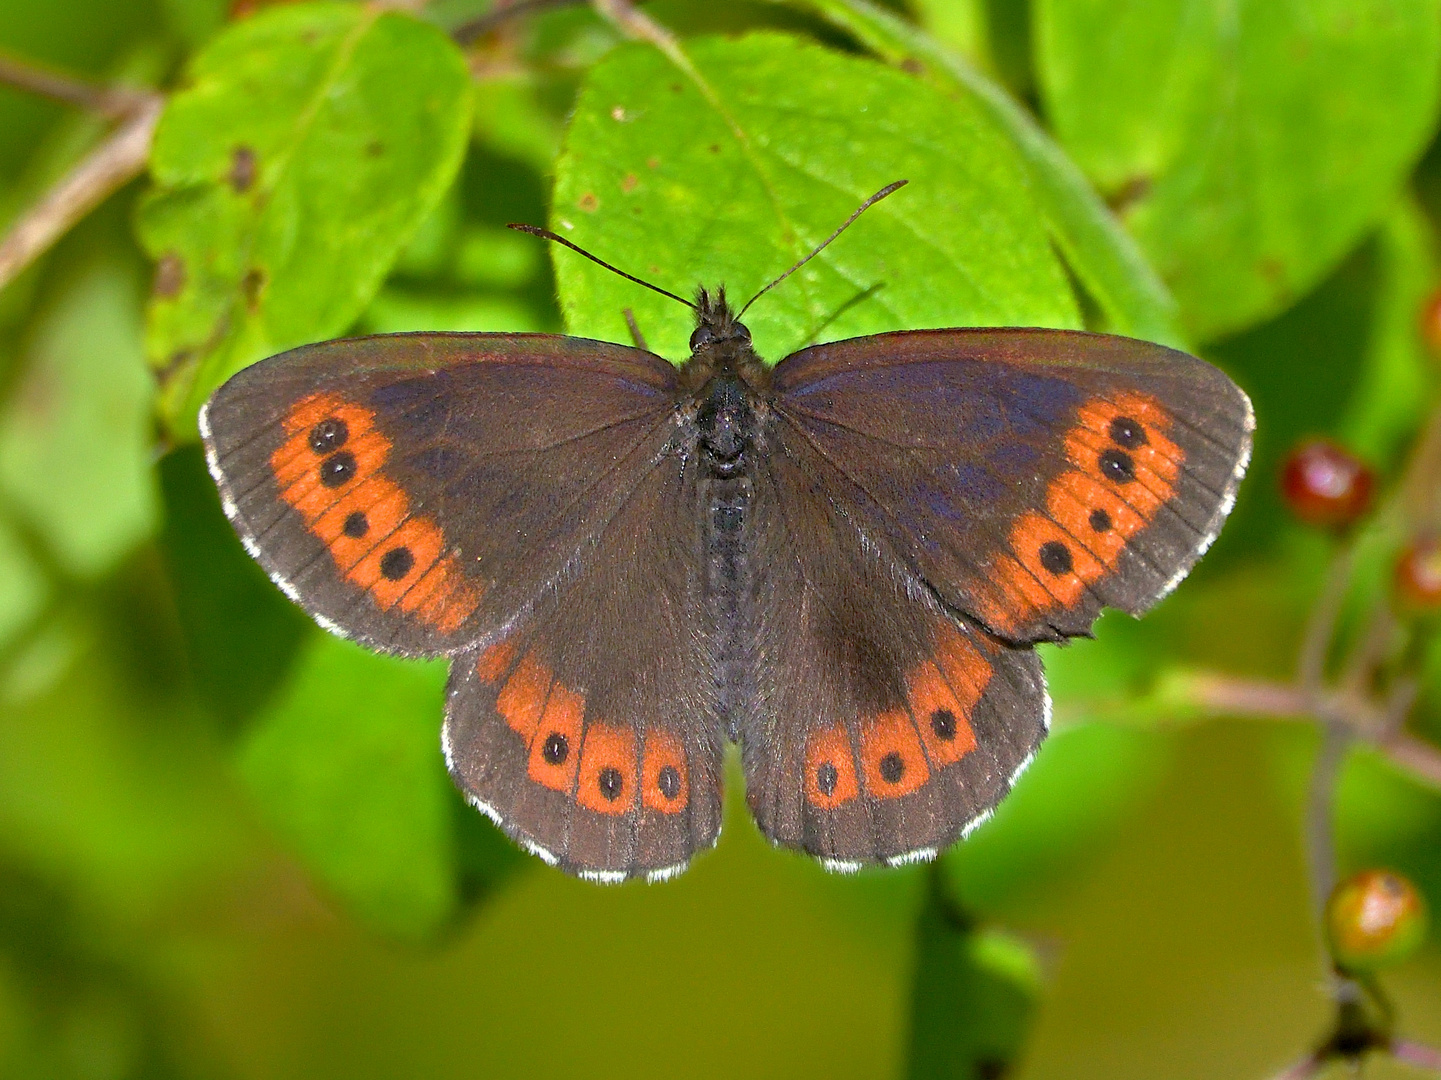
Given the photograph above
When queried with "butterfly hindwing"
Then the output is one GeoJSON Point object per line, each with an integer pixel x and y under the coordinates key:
{"type": "Point", "coordinates": [589, 731]}
{"type": "Point", "coordinates": [882, 727]}
{"type": "Point", "coordinates": [1029, 477]}
{"type": "Point", "coordinates": [416, 491]}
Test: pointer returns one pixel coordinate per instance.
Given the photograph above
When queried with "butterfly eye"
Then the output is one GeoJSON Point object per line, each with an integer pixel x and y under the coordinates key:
{"type": "Point", "coordinates": [701, 336]}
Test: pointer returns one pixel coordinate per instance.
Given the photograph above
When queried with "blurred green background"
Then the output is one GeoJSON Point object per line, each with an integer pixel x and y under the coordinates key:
{"type": "Point", "coordinates": [228, 846]}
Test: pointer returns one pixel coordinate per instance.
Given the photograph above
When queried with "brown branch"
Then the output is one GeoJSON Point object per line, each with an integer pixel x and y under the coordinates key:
{"type": "Point", "coordinates": [97, 176]}
{"type": "Point", "coordinates": [1418, 1054]}
{"type": "Point", "coordinates": [478, 27]}
{"type": "Point", "coordinates": [112, 101]}
{"type": "Point", "coordinates": [1416, 756]}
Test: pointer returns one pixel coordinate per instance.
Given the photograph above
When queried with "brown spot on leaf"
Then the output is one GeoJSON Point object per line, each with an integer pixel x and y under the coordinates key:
{"type": "Point", "coordinates": [169, 276]}
{"type": "Point", "coordinates": [251, 287]}
{"type": "Point", "coordinates": [242, 169]}
{"type": "Point", "coordinates": [588, 202]}
{"type": "Point", "coordinates": [715, 148]}
{"type": "Point", "coordinates": [628, 184]}
{"type": "Point", "coordinates": [374, 148]}
{"type": "Point", "coordinates": [912, 66]}
{"type": "Point", "coordinates": [651, 163]}
{"type": "Point", "coordinates": [1128, 194]}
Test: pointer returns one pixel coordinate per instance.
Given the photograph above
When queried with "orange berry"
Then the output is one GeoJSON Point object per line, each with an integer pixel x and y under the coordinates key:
{"type": "Point", "coordinates": [1373, 919]}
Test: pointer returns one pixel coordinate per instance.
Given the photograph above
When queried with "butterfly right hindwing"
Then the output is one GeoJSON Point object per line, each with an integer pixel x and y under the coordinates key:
{"type": "Point", "coordinates": [881, 727]}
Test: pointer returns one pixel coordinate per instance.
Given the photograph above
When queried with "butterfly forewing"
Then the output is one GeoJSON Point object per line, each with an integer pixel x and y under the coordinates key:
{"type": "Point", "coordinates": [1029, 477]}
{"type": "Point", "coordinates": [416, 492]}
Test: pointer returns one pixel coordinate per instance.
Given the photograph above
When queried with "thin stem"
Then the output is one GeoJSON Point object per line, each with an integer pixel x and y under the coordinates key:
{"type": "Point", "coordinates": [29, 76]}
{"type": "Point", "coordinates": [1416, 756]}
{"type": "Point", "coordinates": [1320, 812]}
{"type": "Point", "coordinates": [1414, 1053]}
{"type": "Point", "coordinates": [1321, 626]}
{"type": "Point", "coordinates": [481, 25]}
{"type": "Point", "coordinates": [102, 172]}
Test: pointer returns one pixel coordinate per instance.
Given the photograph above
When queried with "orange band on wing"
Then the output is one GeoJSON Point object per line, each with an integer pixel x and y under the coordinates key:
{"type": "Point", "coordinates": [608, 773]}
{"type": "Point", "coordinates": [555, 747]}
{"type": "Point", "coordinates": [830, 769]}
{"type": "Point", "coordinates": [494, 662]}
{"type": "Point", "coordinates": [944, 718]}
{"type": "Point", "coordinates": [1125, 470]}
{"type": "Point", "coordinates": [329, 470]}
{"type": "Point", "coordinates": [522, 699]}
{"type": "Point", "coordinates": [665, 780]}
{"type": "Point", "coordinates": [892, 760]}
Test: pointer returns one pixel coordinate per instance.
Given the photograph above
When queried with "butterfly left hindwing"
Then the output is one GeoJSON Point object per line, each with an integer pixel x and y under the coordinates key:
{"type": "Point", "coordinates": [589, 732]}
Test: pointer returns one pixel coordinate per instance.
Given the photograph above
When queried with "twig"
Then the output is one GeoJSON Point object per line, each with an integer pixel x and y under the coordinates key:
{"type": "Point", "coordinates": [481, 25]}
{"type": "Point", "coordinates": [1336, 739]}
{"type": "Point", "coordinates": [1321, 625]}
{"type": "Point", "coordinates": [102, 172]}
{"type": "Point", "coordinates": [1414, 1053]}
{"type": "Point", "coordinates": [112, 101]}
{"type": "Point", "coordinates": [1414, 755]}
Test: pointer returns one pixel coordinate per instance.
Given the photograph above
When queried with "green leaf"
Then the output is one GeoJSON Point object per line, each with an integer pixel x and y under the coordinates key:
{"type": "Point", "coordinates": [973, 996]}
{"type": "Point", "coordinates": [311, 143]}
{"type": "Point", "coordinates": [24, 589]}
{"type": "Point", "coordinates": [1398, 374]}
{"type": "Point", "coordinates": [1104, 258]}
{"type": "Point", "coordinates": [347, 765]}
{"type": "Point", "coordinates": [1253, 143]}
{"type": "Point", "coordinates": [75, 433]}
{"type": "Point", "coordinates": [240, 632]}
{"type": "Point", "coordinates": [728, 172]}
{"type": "Point", "coordinates": [397, 311]}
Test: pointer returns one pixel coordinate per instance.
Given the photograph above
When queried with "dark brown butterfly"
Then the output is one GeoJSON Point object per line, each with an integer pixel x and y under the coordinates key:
{"type": "Point", "coordinates": [841, 563]}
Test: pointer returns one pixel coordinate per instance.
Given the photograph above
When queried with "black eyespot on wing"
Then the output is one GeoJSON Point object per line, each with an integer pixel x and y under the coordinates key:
{"type": "Point", "coordinates": [1056, 557]}
{"type": "Point", "coordinates": [337, 469]}
{"type": "Point", "coordinates": [330, 434]}
{"type": "Point", "coordinates": [1128, 433]}
{"type": "Point", "coordinates": [1117, 465]}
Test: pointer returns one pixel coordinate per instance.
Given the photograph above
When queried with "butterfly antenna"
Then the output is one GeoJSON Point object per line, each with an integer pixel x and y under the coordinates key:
{"type": "Point", "coordinates": [546, 234]}
{"type": "Point", "coordinates": [877, 197]}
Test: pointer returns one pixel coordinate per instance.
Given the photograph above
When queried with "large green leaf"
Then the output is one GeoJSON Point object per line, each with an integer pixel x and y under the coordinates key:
{"type": "Point", "coordinates": [730, 172]}
{"type": "Point", "coordinates": [1251, 141]}
{"type": "Point", "coordinates": [75, 433]}
{"type": "Point", "coordinates": [309, 146]}
{"type": "Point", "coordinates": [1131, 298]}
{"type": "Point", "coordinates": [347, 766]}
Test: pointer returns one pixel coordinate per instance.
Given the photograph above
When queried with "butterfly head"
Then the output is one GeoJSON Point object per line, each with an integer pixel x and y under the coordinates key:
{"type": "Point", "coordinates": [716, 325]}
{"type": "Point", "coordinates": [720, 346]}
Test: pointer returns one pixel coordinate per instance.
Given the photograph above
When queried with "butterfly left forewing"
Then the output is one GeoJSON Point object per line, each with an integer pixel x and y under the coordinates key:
{"type": "Point", "coordinates": [1028, 477]}
{"type": "Point", "coordinates": [880, 726]}
{"type": "Point", "coordinates": [418, 491]}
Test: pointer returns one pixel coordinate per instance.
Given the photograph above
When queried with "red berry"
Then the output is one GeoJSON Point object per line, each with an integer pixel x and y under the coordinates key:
{"type": "Point", "coordinates": [1374, 918]}
{"type": "Point", "coordinates": [1418, 574]}
{"type": "Point", "coordinates": [1431, 321]}
{"type": "Point", "coordinates": [1325, 485]}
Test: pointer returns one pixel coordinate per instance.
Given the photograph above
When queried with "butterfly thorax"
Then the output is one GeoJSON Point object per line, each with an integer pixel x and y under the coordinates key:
{"type": "Point", "coordinates": [730, 388]}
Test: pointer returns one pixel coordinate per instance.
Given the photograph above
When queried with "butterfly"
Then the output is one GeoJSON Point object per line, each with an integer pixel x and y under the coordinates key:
{"type": "Point", "coordinates": [842, 562]}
